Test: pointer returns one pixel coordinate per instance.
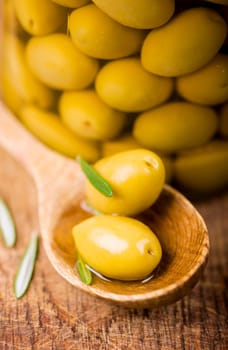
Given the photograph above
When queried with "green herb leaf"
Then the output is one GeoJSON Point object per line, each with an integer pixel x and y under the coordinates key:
{"type": "Point", "coordinates": [25, 271]}
{"type": "Point", "coordinates": [84, 272]}
{"type": "Point", "coordinates": [7, 226]}
{"type": "Point", "coordinates": [95, 178]}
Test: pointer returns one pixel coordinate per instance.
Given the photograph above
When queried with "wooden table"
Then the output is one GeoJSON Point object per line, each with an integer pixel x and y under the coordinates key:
{"type": "Point", "coordinates": [54, 315]}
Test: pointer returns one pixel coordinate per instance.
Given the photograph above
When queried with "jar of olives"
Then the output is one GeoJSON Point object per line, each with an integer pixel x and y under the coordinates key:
{"type": "Point", "coordinates": [93, 78]}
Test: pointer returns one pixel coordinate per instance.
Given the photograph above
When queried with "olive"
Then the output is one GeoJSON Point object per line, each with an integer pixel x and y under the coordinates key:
{"type": "Point", "coordinates": [88, 116]}
{"type": "Point", "coordinates": [175, 126]}
{"type": "Point", "coordinates": [48, 128]}
{"type": "Point", "coordinates": [125, 85]}
{"type": "Point", "coordinates": [208, 85]}
{"type": "Point", "coordinates": [203, 169]}
{"type": "Point", "coordinates": [118, 247]}
{"type": "Point", "coordinates": [186, 43]}
{"type": "Point", "coordinates": [136, 177]}
{"type": "Point", "coordinates": [19, 84]}
{"type": "Point", "coordinates": [98, 35]}
{"type": "Point", "coordinates": [138, 13]}
{"type": "Point", "coordinates": [56, 61]}
{"type": "Point", "coordinates": [39, 17]}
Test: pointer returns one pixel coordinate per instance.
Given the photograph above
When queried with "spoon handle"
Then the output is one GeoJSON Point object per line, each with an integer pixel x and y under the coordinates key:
{"type": "Point", "coordinates": [42, 163]}
{"type": "Point", "coordinates": [59, 180]}
{"type": "Point", "coordinates": [17, 141]}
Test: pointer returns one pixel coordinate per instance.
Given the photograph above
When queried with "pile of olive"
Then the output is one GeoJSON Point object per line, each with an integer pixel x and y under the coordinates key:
{"type": "Point", "coordinates": [95, 78]}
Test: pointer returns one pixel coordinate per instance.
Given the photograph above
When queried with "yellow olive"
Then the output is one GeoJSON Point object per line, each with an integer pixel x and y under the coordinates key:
{"type": "Point", "coordinates": [175, 126]}
{"type": "Point", "coordinates": [138, 13]}
{"type": "Point", "coordinates": [136, 177]}
{"type": "Point", "coordinates": [71, 3]}
{"type": "Point", "coordinates": [56, 61]}
{"type": "Point", "coordinates": [186, 43]}
{"type": "Point", "coordinates": [39, 17]}
{"type": "Point", "coordinates": [118, 247]}
{"type": "Point", "coordinates": [208, 85]}
{"type": "Point", "coordinates": [19, 80]}
{"type": "Point", "coordinates": [47, 127]}
{"type": "Point", "coordinates": [97, 35]}
{"type": "Point", "coordinates": [203, 169]}
{"type": "Point", "coordinates": [125, 85]}
{"type": "Point", "coordinates": [88, 116]}
{"type": "Point", "coordinates": [224, 120]}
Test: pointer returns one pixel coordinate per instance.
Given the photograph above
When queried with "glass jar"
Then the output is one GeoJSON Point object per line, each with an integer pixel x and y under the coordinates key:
{"type": "Point", "coordinates": [95, 78]}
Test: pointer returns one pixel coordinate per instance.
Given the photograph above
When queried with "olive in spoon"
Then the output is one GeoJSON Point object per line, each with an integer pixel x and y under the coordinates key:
{"type": "Point", "coordinates": [59, 181]}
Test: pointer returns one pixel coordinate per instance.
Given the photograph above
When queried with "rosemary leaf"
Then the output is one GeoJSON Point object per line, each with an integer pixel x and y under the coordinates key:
{"type": "Point", "coordinates": [25, 270]}
{"type": "Point", "coordinates": [84, 272]}
{"type": "Point", "coordinates": [7, 226]}
{"type": "Point", "coordinates": [95, 178]}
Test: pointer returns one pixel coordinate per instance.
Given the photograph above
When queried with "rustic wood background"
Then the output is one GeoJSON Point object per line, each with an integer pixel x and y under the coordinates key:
{"type": "Point", "coordinates": [53, 315]}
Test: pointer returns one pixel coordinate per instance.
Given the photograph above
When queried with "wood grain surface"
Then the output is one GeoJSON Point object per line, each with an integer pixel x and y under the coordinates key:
{"type": "Point", "coordinates": [54, 315]}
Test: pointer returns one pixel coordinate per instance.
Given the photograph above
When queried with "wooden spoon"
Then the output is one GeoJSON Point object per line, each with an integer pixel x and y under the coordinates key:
{"type": "Point", "coordinates": [181, 230]}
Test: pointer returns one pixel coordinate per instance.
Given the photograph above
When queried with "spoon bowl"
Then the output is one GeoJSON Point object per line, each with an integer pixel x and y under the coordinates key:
{"type": "Point", "coordinates": [60, 183]}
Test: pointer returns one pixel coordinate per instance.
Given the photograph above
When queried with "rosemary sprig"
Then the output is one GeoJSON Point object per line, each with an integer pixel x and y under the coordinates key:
{"type": "Point", "coordinates": [7, 226]}
{"type": "Point", "coordinates": [84, 273]}
{"type": "Point", "coordinates": [95, 178]}
{"type": "Point", "coordinates": [26, 267]}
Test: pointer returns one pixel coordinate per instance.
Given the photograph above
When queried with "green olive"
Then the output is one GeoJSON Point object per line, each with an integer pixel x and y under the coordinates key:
{"type": "Point", "coordinates": [47, 127]}
{"type": "Point", "coordinates": [125, 85]}
{"type": "Point", "coordinates": [136, 177]}
{"type": "Point", "coordinates": [203, 169]}
{"type": "Point", "coordinates": [208, 85]}
{"type": "Point", "coordinates": [97, 35]}
{"type": "Point", "coordinates": [19, 83]}
{"type": "Point", "coordinates": [186, 43]}
{"type": "Point", "coordinates": [56, 61]}
{"type": "Point", "coordinates": [118, 247]}
{"type": "Point", "coordinates": [88, 116]}
{"type": "Point", "coordinates": [138, 13]}
{"type": "Point", "coordinates": [39, 17]}
{"type": "Point", "coordinates": [175, 126]}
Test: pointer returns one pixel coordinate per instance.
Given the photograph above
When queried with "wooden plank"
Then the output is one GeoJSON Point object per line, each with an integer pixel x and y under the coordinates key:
{"type": "Point", "coordinates": [53, 315]}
